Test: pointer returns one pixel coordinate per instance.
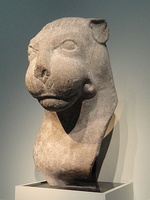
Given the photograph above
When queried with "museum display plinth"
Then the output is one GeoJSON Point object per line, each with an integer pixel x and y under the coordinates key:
{"type": "Point", "coordinates": [41, 191]}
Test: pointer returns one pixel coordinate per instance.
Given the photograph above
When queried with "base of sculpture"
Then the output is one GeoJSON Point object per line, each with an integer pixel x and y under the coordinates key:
{"type": "Point", "coordinates": [105, 191]}
{"type": "Point", "coordinates": [88, 187]}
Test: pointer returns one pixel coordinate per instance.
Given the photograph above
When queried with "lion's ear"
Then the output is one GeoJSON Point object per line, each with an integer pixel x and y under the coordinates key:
{"type": "Point", "coordinates": [100, 30]}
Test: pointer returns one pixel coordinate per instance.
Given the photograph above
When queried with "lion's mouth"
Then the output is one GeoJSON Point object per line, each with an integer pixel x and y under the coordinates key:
{"type": "Point", "coordinates": [57, 102]}
{"type": "Point", "coordinates": [56, 97]}
{"type": "Point", "coordinates": [41, 98]}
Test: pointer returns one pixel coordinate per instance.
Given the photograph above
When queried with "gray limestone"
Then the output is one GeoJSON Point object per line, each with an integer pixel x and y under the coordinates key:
{"type": "Point", "coordinates": [69, 74]}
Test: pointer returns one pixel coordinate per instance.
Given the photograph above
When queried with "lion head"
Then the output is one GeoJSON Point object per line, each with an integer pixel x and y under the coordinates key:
{"type": "Point", "coordinates": [67, 59]}
{"type": "Point", "coordinates": [69, 74]}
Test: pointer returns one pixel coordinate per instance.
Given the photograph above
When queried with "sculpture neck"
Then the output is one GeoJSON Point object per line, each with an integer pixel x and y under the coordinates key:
{"type": "Point", "coordinates": [79, 121]}
{"type": "Point", "coordinates": [86, 121]}
{"type": "Point", "coordinates": [68, 118]}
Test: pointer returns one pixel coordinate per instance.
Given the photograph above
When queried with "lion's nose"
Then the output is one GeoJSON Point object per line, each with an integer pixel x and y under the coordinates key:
{"type": "Point", "coordinates": [41, 73]}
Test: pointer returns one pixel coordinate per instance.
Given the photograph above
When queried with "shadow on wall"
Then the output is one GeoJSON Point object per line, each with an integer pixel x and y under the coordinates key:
{"type": "Point", "coordinates": [132, 135]}
{"type": "Point", "coordinates": [113, 165]}
{"type": "Point", "coordinates": [122, 149]}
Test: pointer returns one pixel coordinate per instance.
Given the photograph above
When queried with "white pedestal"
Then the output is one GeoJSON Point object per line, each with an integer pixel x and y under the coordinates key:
{"type": "Point", "coordinates": [31, 192]}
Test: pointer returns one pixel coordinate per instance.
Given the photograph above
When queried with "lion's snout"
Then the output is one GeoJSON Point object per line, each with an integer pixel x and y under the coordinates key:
{"type": "Point", "coordinates": [41, 73]}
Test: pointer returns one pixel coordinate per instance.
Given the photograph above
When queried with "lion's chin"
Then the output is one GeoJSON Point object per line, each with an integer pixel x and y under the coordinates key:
{"type": "Point", "coordinates": [55, 104]}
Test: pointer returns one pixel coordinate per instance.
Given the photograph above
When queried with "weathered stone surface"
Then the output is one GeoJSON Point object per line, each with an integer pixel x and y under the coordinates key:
{"type": "Point", "coordinates": [70, 75]}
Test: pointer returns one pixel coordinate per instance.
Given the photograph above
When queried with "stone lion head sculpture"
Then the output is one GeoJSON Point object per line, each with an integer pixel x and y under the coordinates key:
{"type": "Point", "coordinates": [69, 74]}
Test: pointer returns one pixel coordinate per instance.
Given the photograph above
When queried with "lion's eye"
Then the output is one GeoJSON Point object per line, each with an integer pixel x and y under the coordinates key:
{"type": "Point", "coordinates": [68, 45]}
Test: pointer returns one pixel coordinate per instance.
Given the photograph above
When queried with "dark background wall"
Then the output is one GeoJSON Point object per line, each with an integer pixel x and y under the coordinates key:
{"type": "Point", "coordinates": [20, 115]}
